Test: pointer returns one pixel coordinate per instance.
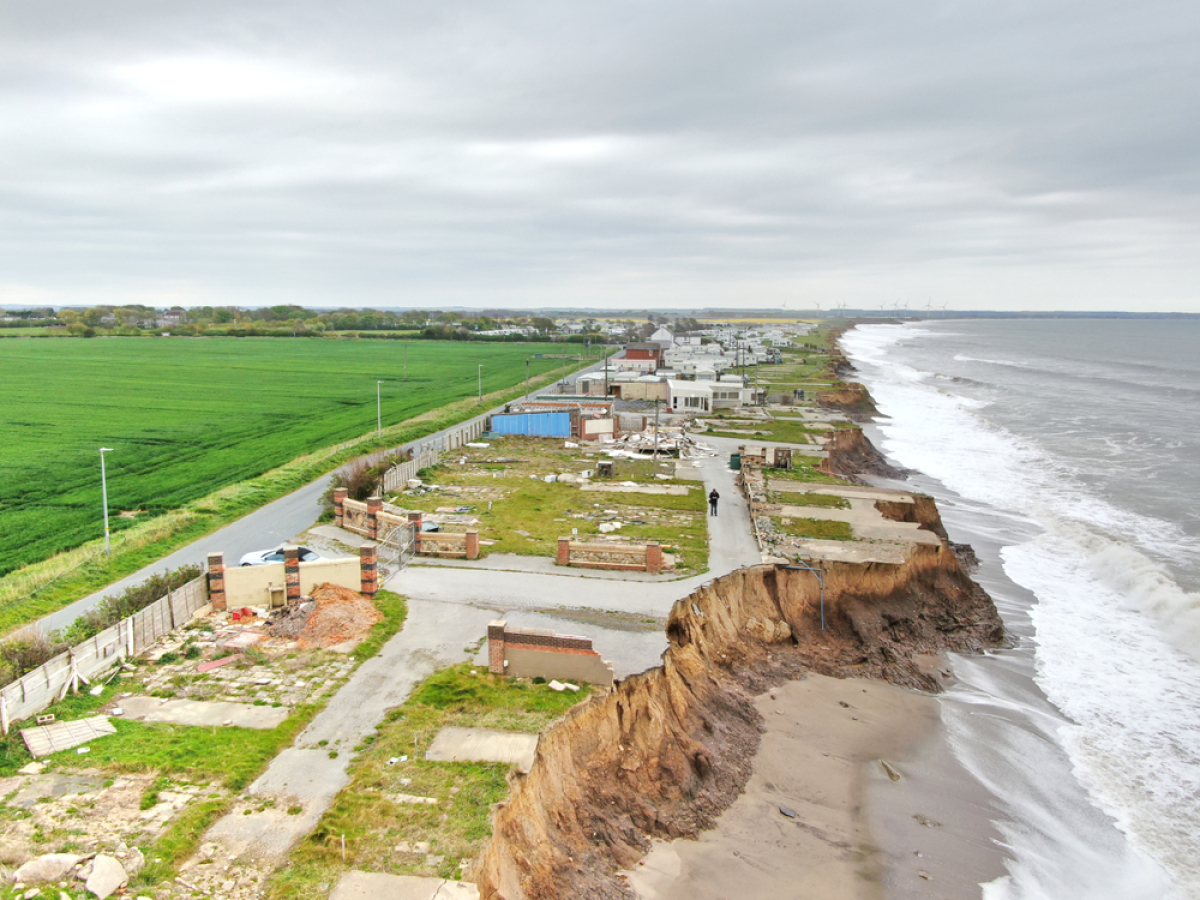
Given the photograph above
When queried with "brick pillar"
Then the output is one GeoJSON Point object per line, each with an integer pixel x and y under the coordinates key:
{"type": "Point", "coordinates": [564, 552]}
{"type": "Point", "coordinates": [216, 581]}
{"type": "Point", "coordinates": [339, 509]}
{"type": "Point", "coordinates": [496, 646]}
{"type": "Point", "coordinates": [374, 508]}
{"type": "Point", "coordinates": [414, 519]}
{"type": "Point", "coordinates": [653, 557]}
{"type": "Point", "coordinates": [291, 572]}
{"type": "Point", "coordinates": [368, 563]}
{"type": "Point", "coordinates": [472, 544]}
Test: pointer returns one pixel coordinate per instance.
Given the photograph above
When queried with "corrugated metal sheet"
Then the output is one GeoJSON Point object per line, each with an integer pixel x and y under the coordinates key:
{"type": "Point", "coordinates": [547, 424]}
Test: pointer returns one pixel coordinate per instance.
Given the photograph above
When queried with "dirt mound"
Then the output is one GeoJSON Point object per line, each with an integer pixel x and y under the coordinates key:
{"type": "Point", "coordinates": [337, 615]}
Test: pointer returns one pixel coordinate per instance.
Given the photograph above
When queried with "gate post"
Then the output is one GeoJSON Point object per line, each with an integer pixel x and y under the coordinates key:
{"type": "Point", "coordinates": [216, 581]}
{"type": "Point", "coordinates": [291, 572]}
{"type": "Point", "coordinates": [374, 508]}
{"type": "Point", "coordinates": [339, 508]}
{"type": "Point", "coordinates": [368, 563]}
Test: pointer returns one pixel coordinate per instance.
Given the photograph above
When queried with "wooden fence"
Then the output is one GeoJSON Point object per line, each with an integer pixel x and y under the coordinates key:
{"type": "Point", "coordinates": [428, 451]}
{"type": "Point", "coordinates": [43, 686]}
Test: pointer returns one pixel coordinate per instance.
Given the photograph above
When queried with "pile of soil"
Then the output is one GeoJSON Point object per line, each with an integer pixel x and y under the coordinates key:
{"type": "Point", "coordinates": [334, 616]}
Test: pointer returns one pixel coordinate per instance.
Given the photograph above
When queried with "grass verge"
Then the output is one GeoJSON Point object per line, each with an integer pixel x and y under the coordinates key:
{"type": "Point", "coordinates": [384, 834]}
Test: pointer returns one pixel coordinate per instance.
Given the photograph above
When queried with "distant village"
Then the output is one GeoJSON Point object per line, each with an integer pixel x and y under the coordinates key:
{"type": "Point", "coordinates": [672, 364]}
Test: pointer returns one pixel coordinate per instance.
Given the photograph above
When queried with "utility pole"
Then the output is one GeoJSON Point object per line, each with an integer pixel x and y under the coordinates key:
{"type": "Point", "coordinates": [481, 382]}
{"type": "Point", "coordinates": [406, 360]}
{"type": "Point", "coordinates": [378, 409]}
{"type": "Point", "coordinates": [656, 437]}
{"type": "Point", "coordinates": [606, 370]}
{"type": "Point", "coordinates": [527, 379]}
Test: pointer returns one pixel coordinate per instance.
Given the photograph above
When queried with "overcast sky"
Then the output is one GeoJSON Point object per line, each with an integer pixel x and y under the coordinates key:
{"type": "Point", "coordinates": [1007, 155]}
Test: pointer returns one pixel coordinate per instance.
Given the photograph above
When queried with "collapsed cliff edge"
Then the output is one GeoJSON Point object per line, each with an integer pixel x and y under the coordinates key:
{"type": "Point", "coordinates": [666, 751]}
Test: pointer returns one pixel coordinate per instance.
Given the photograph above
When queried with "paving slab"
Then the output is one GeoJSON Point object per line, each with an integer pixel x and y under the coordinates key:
{"type": "Point", "coordinates": [355, 885]}
{"type": "Point", "coordinates": [677, 490]}
{"type": "Point", "coordinates": [46, 739]}
{"type": "Point", "coordinates": [484, 745]}
{"type": "Point", "coordinates": [203, 712]}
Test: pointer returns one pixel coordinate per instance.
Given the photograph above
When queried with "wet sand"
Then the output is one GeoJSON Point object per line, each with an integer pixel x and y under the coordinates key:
{"type": "Point", "coordinates": [881, 808]}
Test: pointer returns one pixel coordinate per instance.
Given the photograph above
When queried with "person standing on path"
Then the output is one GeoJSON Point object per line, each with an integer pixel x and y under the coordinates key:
{"type": "Point", "coordinates": [713, 497]}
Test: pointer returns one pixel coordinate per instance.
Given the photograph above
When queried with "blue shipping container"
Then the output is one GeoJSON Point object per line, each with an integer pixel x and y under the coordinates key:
{"type": "Point", "coordinates": [542, 424]}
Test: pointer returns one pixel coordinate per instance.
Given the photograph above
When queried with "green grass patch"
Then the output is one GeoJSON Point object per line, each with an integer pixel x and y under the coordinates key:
{"type": "Point", "coordinates": [827, 501]}
{"type": "Point", "coordinates": [804, 468]}
{"type": "Point", "coordinates": [527, 516]}
{"type": "Point", "coordinates": [373, 823]}
{"type": "Point", "coordinates": [822, 529]}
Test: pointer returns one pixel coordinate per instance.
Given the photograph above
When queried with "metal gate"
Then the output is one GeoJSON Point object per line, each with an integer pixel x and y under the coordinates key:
{"type": "Point", "coordinates": [397, 546]}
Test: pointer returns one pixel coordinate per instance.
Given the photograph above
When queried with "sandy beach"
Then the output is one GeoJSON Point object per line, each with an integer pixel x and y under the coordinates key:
{"type": "Point", "coordinates": [879, 807]}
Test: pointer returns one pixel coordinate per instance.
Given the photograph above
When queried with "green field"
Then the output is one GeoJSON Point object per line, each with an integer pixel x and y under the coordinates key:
{"type": "Point", "coordinates": [187, 416]}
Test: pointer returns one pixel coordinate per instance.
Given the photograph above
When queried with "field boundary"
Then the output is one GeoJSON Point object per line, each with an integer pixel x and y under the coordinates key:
{"type": "Point", "coordinates": [50, 682]}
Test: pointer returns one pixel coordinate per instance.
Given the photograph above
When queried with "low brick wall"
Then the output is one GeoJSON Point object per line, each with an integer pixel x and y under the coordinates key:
{"type": "Point", "coordinates": [630, 557]}
{"type": "Point", "coordinates": [532, 653]}
{"type": "Point", "coordinates": [376, 519]}
{"type": "Point", "coordinates": [273, 584]}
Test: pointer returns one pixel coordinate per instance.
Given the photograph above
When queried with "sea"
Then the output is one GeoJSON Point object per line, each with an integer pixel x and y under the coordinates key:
{"type": "Point", "coordinates": [1067, 453]}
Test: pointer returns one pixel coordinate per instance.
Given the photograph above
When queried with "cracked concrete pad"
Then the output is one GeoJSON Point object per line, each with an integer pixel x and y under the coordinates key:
{"type": "Point", "coordinates": [484, 745]}
{"type": "Point", "coordinates": [203, 712]}
{"type": "Point", "coordinates": [376, 886]}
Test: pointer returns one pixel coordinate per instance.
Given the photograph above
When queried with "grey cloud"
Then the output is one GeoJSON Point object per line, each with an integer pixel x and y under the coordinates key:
{"type": "Point", "coordinates": [533, 153]}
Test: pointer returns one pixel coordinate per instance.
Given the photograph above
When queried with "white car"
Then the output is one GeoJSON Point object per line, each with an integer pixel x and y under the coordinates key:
{"type": "Point", "coordinates": [264, 557]}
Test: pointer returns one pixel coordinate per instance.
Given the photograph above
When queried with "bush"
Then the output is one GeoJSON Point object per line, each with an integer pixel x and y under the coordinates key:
{"type": "Point", "coordinates": [112, 610]}
{"type": "Point", "coordinates": [24, 652]}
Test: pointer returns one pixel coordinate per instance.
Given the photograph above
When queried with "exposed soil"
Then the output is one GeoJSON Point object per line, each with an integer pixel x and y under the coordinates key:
{"type": "Point", "coordinates": [338, 615]}
{"type": "Point", "coordinates": [666, 751]}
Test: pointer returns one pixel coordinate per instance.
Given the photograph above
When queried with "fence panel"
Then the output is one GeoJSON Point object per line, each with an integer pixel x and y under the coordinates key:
{"type": "Point", "coordinates": [36, 690]}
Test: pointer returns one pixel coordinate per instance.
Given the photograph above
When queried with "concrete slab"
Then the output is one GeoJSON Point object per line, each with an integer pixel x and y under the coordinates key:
{"type": "Point", "coordinates": [355, 885]}
{"type": "Point", "coordinates": [41, 787]}
{"type": "Point", "coordinates": [678, 490]}
{"type": "Point", "coordinates": [484, 745]}
{"type": "Point", "coordinates": [46, 739]}
{"type": "Point", "coordinates": [854, 551]}
{"type": "Point", "coordinates": [203, 712]}
{"type": "Point", "coordinates": [850, 492]}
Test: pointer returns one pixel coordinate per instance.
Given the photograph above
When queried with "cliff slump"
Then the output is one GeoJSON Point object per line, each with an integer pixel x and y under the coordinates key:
{"type": "Point", "coordinates": [851, 453]}
{"type": "Point", "coordinates": [848, 397]}
{"type": "Point", "coordinates": [666, 751]}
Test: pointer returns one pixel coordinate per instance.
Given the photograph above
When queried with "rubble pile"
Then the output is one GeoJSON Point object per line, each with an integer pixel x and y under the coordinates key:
{"type": "Point", "coordinates": [671, 442]}
{"type": "Point", "coordinates": [339, 615]}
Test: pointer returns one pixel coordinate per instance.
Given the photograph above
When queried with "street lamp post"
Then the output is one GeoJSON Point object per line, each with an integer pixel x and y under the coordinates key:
{"type": "Point", "coordinates": [104, 497]}
{"type": "Point", "coordinates": [378, 409]}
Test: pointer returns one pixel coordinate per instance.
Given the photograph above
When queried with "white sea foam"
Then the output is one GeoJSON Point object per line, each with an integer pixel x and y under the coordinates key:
{"type": "Point", "coordinates": [1110, 623]}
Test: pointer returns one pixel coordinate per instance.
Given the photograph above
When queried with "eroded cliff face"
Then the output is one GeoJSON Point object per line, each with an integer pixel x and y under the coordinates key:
{"type": "Point", "coordinates": [664, 752]}
{"type": "Point", "coordinates": [851, 453]}
{"type": "Point", "coordinates": [848, 397]}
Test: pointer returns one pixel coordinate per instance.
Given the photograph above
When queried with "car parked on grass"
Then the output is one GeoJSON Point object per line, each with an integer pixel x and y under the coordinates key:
{"type": "Point", "coordinates": [264, 557]}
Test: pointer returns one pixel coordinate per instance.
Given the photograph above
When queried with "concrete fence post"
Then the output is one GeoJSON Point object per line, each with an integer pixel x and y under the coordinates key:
{"type": "Point", "coordinates": [291, 572]}
{"type": "Point", "coordinates": [654, 558]}
{"type": "Point", "coordinates": [472, 544]}
{"type": "Point", "coordinates": [216, 581]}
{"type": "Point", "coordinates": [374, 508]}
{"type": "Point", "coordinates": [564, 552]}
{"type": "Point", "coordinates": [339, 508]}
{"type": "Point", "coordinates": [496, 646]}
{"type": "Point", "coordinates": [368, 563]}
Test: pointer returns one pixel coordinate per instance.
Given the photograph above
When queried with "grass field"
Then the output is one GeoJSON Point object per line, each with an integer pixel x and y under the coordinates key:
{"type": "Point", "coordinates": [185, 417]}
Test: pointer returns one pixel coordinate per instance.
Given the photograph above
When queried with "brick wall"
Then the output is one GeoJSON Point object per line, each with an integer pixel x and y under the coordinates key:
{"type": "Point", "coordinates": [530, 652]}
